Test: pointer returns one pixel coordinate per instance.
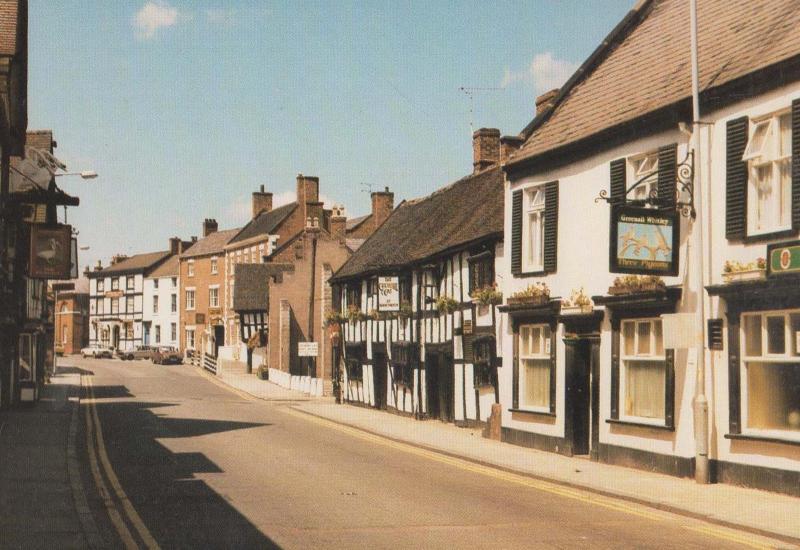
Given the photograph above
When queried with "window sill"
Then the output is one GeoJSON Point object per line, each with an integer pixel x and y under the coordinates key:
{"type": "Point", "coordinates": [765, 438]}
{"type": "Point", "coordinates": [531, 273]}
{"type": "Point", "coordinates": [535, 413]}
{"type": "Point", "coordinates": [661, 427]}
{"type": "Point", "coordinates": [761, 237]}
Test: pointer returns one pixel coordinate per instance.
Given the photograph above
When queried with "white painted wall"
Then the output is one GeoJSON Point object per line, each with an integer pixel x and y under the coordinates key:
{"type": "Point", "coordinates": [164, 316]}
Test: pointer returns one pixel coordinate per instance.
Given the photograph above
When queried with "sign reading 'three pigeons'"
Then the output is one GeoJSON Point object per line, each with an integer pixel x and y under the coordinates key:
{"type": "Point", "coordinates": [644, 241]}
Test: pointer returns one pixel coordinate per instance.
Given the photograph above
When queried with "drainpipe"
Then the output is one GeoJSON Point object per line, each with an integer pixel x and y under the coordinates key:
{"type": "Point", "coordinates": [312, 299]}
{"type": "Point", "coordinates": [701, 428]}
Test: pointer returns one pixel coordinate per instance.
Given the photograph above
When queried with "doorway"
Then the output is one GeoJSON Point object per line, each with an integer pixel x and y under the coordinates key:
{"type": "Point", "coordinates": [146, 335]}
{"type": "Point", "coordinates": [219, 338]}
{"type": "Point", "coordinates": [379, 368]}
{"type": "Point", "coordinates": [582, 395]}
{"type": "Point", "coordinates": [115, 337]}
{"type": "Point", "coordinates": [439, 382]}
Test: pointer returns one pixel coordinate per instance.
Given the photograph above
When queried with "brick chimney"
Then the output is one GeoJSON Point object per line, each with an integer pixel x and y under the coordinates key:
{"type": "Point", "coordinates": [382, 206]}
{"type": "Point", "coordinates": [545, 101]}
{"type": "Point", "coordinates": [509, 145]}
{"type": "Point", "coordinates": [175, 245]}
{"type": "Point", "coordinates": [262, 201]}
{"type": "Point", "coordinates": [117, 258]}
{"type": "Point", "coordinates": [210, 225]}
{"type": "Point", "coordinates": [485, 149]}
{"type": "Point", "coordinates": [307, 189]}
{"type": "Point", "coordinates": [338, 222]}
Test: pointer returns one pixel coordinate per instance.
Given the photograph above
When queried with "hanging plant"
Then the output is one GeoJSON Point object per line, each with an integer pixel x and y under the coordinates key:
{"type": "Point", "coordinates": [446, 304]}
{"type": "Point", "coordinates": [354, 313]}
{"type": "Point", "coordinates": [333, 318]}
{"type": "Point", "coordinates": [487, 296]}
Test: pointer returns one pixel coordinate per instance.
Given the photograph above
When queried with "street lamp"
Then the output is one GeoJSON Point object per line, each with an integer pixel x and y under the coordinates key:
{"type": "Point", "coordinates": [86, 174]}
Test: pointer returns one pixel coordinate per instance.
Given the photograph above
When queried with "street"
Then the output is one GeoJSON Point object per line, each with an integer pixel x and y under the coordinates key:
{"type": "Point", "coordinates": [176, 460]}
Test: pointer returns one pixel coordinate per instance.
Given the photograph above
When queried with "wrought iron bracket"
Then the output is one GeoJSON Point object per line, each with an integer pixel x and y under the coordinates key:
{"type": "Point", "coordinates": [684, 185]}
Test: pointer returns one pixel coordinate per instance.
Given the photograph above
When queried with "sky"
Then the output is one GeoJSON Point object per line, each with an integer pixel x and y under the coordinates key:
{"type": "Point", "coordinates": [185, 108]}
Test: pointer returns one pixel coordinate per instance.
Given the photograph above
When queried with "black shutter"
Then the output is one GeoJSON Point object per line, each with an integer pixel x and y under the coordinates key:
{"type": "Point", "coordinates": [550, 226]}
{"type": "Point", "coordinates": [669, 389]}
{"type": "Point", "coordinates": [615, 369]}
{"type": "Point", "coordinates": [736, 179]}
{"type": "Point", "coordinates": [516, 232]}
{"type": "Point", "coordinates": [619, 170]}
{"type": "Point", "coordinates": [667, 175]}
{"type": "Point", "coordinates": [796, 164]}
{"type": "Point", "coordinates": [553, 341]}
{"type": "Point", "coordinates": [515, 373]}
{"type": "Point", "coordinates": [734, 388]}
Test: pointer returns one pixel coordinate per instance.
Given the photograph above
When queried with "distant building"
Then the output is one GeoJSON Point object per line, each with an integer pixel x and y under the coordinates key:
{"type": "Point", "coordinates": [71, 315]}
{"type": "Point", "coordinates": [161, 305]}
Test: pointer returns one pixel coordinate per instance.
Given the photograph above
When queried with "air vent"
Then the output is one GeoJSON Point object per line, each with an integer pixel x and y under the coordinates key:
{"type": "Point", "coordinates": [715, 334]}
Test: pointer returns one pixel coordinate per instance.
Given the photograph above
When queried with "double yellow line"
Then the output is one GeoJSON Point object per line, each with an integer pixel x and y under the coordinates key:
{"type": "Point", "coordinates": [98, 458]}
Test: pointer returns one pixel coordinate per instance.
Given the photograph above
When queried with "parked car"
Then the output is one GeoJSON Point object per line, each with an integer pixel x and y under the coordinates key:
{"type": "Point", "coordinates": [140, 352]}
{"type": "Point", "coordinates": [166, 355]}
{"type": "Point", "coordinates": [96, 352]}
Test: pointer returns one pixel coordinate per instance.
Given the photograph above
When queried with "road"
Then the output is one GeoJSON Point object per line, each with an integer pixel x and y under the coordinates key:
{"type": "Point", "coordinates": [171, 459]}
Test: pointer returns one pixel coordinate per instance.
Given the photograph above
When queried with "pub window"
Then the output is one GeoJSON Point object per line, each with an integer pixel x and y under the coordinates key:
{"type": "Point", "coordinates": [173, 331]}
{"type": "Point", "coordinates": [483, 361]}
{"type": "Point", "coordinates": [115, 283]}
{"type": "Point", "coordinates": [770, 380]}
{"type": "Point", "coordinates": [430, 287]}
{"type": "Point", "coordinates": [768, 155]}
{"type": "Point", "coordinates": [481, 272]}
{"type": "Point", "coordinates": [643, 375]}
{"type": "Point", "coordinates": [536, 370]}
{"type": "Point", "coordinates": [533, 251]}
{"type": "Point", "coordinates": [405, 290]}
{"type": "Point", "coordinates": [355, 371]}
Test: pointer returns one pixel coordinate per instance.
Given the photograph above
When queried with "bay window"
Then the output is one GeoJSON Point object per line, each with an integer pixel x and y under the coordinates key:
{"type": "Point", "coordinates": [643, 373]}
{"type": "Point", "coordinates": [535, 367]}
{"type": "Point", "coordinates": [770, 379]}
{"type": "Point", "coordinates": [768, 155]}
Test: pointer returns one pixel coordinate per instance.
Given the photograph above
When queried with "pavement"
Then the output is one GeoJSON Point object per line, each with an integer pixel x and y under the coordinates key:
{"type": "Point", "coordinates": [757, 511]}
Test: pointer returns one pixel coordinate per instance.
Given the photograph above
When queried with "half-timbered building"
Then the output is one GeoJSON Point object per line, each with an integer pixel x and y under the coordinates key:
{"type": "Point", "coordinates": [412, 338]}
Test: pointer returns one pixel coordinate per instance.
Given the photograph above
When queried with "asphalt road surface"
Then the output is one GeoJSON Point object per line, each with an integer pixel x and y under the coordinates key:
{"type": "Point", "coordinates": [171, 459]}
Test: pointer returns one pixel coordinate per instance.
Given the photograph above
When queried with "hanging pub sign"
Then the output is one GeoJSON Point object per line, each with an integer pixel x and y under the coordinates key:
{"type": "Point", "coordinates": [644, 241]}
{"type": "Point", "coordinates": [389, 293]}
{"type": "Point", "coordinates": [73, 259]}
{"type": "Point", "coordinates": [783, 258]}
{"type": "Point", "coordinates": [51, 251]}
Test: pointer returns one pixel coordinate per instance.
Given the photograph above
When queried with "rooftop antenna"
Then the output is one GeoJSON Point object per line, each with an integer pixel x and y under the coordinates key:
{"type": "Point", "coordinates": [365, 187]}
{"type": "Point", "coordinates": [470, 91]}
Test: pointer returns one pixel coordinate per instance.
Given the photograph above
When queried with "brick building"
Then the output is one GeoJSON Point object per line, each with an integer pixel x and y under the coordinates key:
{"type": "Point", "coordinates": [71, 315]}
{"type": "Point", "coordinates": [201, 278]}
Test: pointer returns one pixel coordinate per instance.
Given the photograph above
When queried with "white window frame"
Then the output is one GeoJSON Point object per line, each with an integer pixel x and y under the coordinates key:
{"type": "Point", "coordinates": [173, 332]}
{"type": "Point", "coordinates": [157, 334]}
{"type": "Point", "coordinates": [765, 357]}
{"type": "Point", "coordinates": [652, 356]}
{"type": "Point", "coordinates": [190, 342]}
{"type": "Point", "coordinates": [766, 154]}
{"type": "Point", "coordinates": [190, 304]}
{"type": "Point", "coordinates": [545, 354]}
{"type": "Point", "coordinates": [173, 303]}
{"type": "Point", "coordinates": [155, 304]}
{"type": "Point", "coordinates": [101, 286]}
{"type": "Point", "coordinates": [214, 265]}
{"type": "Point", "coordinates": [642, 166]}
{"type": "Point", "coordinates": [214, 303]}
{"type": "Point", "coordinates": [533, 248]}
{"type": "Point", "coordinates": [190, 268]}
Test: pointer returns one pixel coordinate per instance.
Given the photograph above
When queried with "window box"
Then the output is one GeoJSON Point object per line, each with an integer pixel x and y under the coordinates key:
{"type": "Point", "coordinates": [528, 300]}
{"type": "Point", "coordinates": [634, 284]}
{"type": "Point", "coordinates": [576, 310]}
{"type": "Point", "coordinates": [745, 275]}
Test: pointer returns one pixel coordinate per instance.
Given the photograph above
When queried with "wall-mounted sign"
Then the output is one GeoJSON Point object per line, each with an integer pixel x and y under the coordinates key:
{"type": "Point", "coordinates": [644, 241]}
{"type": "Point", "coordinates": [389, 293]}
{"type": "Point", "coordinates": [113, 294]}
{"type": "Point", "coordinates": [307, 349]}
{"type": "Point", "coordinates": [199, 318]}
{"type": "Point", "coordinates": [50, 252]}
{"type": "Point", "coordinates": [783, 258]}
{"type": "Point", "coordinates": [466, 325]}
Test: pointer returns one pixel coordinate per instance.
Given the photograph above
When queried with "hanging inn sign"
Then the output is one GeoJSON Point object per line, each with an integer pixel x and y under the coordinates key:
{"type": "Point", "coordinates": [644, 241]}
{"type": "Point", "coordinates": [51, 251]}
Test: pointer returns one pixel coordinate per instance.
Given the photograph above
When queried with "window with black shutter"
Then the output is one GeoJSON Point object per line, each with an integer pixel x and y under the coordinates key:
{"type": "Point", "coordinates": [551, 227]}
{"type": "Point", "coordinates": [481, 271]}
{"type": "Point", "coordinates": [534, 230]}
{"type": "Point", "coordinates": [736, 178]}
{"type": "Point", "coordinates": [483, 362]}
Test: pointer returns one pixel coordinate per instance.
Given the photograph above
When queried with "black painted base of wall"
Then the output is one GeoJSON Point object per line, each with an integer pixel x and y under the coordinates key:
{"type": "Point", "coordinates": [756, 477]}
{"type": "Point", "coordinates": [536, 441]}
{"type": "Point", "coordinates": [471, 423]}
{"type": "Point", "coordinates": [398, 412]}
{"type": "Point", "coordinates": [677, 466]}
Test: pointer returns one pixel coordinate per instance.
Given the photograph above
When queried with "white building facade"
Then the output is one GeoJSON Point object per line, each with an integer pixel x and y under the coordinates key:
{"type": "Point", "coordinates": [161, 312]}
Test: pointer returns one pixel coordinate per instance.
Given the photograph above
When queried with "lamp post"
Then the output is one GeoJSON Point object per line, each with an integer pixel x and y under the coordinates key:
{"type": "Point", "coordinates": [85, 174]}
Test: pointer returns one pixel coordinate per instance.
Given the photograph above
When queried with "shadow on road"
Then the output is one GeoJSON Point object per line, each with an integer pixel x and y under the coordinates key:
{"type": "Point", "coordinates": [179, 510]}
{"type": "Point", "coordinates": [72, 370]}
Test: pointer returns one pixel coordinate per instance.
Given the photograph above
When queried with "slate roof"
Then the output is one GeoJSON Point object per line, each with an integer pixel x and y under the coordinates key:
{"type": "Point", "coordinates": [170, 268]}
{"type": "Point", "coordinates": [212, 244]}
{"type": "Point", "coordinates": [251, 287]}
{"type": "Point", "coordinates": [466, 211]}
{"type": "Point", "coordinates": [265, 223]}
{"type": "Point", "coordinates": [138, 262]}
{"type": "Point", "coordinates": [644, 64]}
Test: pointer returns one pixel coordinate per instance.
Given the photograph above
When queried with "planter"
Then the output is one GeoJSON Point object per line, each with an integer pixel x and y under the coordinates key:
{"type": "Point", "coordinates": [745, 275]}
{"type": "Point", "coordinates": [528, 300]}
{"type": "Point", "coordinates": [576, 310]}
{"type": "Point", "coordinates": [650, 287]}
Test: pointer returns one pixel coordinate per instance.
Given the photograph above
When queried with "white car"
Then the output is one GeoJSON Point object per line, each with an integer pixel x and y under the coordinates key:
{"type": "Point", "coordinates": [96, 352]}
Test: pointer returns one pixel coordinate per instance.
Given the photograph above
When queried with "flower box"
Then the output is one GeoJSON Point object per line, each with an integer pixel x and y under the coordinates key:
{"type": "Point", "coordinates": [745, 275]}
{"type": "Point", "coordinates": [646, 287]}
{"type": "Point", "coordinates": [576, 310]}
{"type": "Point", "coordinates": [528, 300]}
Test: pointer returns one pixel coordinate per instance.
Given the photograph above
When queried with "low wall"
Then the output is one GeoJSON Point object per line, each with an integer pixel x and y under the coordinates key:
{"type": "Point", "coordinates": [305, 384]}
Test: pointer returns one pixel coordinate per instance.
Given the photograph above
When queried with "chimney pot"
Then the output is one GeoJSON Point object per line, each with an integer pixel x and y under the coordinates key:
{"type": "Point", "coordinates": [509, 145]}
{"type": "Point", "coordinates": [485, 148]}
{"type": "Point", "coordinates": [262, 202]}
{"type": "Point", "coordinates": [382, 206]}
{"type": "Point", "coordinates": [209, 226]}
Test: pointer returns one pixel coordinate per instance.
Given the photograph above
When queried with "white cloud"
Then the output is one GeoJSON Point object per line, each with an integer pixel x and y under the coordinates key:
{"type": "Point", "coordinates": [544, 73]}
{"type": "Point", "coordinates": [221, 17]}
{"type": "Point", "coordinates": [153, 16]}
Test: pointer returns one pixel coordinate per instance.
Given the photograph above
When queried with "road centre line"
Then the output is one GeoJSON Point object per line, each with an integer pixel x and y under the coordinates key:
{"type": "Point", "coordinates": [127, 506]}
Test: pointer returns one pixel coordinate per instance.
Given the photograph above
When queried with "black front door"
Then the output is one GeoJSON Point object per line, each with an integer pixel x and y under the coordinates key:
{"type": "Point", "coordinates": [440, 379]}
{"type": "Point", "coordinates": [219, 338]}
{"type": "Point", "coordinates": [379, 366]}
{"type": "Point", "coordinates": [432, 384]}
{"type": "Point", "coordinates": [579, 400]}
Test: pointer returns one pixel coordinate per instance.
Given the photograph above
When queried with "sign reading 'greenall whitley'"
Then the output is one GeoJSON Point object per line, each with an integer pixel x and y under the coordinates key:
{"type": "Point", "coordinates": [784, 258]}
{"type": "Point", "coordinates": [643, 241]}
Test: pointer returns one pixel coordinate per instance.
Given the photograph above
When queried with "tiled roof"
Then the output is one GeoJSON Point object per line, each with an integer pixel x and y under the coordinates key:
{"type": "Point", "coordinates": [212, 244]}
{"type": "Point", "coordinates": [646, 66]}
{"type": "Point", "coordinates": [465, 211]}
{"type": "Point", "coordinates": [251, 287]}
{"type": "Point", "coordinates": [265, 223]}
{"type": "Point", "coordinates": [138, 262]}
{"type": "Point", "coordinates": [170, 268]}
{"type": "Point", "coordinates": [352, 223]}
{"type": "Point", "coordinates": [9, 18]}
